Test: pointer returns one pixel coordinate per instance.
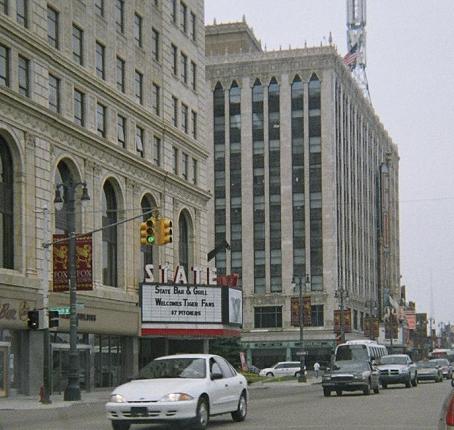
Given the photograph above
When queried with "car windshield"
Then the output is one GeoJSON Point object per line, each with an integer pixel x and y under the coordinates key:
{"type": "Point", "coordinates": [174, 368]}
{"type": "Point", "coordinates": [356, 366]}
{"type": "Point", "coordinates": [390, 359]}
{"type": "Point", "coordinates": [351, 352]}
{"type": "Point", "coordinates": [426, 364]}
{"type": "Point", "coordinates": [440, 362]}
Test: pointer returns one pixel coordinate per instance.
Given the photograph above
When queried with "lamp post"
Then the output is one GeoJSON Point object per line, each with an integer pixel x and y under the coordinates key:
{"type": "Point", "coordinates": [372, 305]}
{"type": "Point", "coordinates": [341, 294]}
{"type": "Point", "coordinates": [302, 373]}
{"type": "Point", "coordinates": [72, 391]}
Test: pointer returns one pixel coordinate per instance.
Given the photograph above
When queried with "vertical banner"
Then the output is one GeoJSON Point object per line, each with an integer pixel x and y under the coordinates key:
{"type": "Point", "coordinates": [84, 257]}
{"type": "Point", "coordinates": [307, 308]}
{"type": "Point", "coordinates": [347, 321]}
{"type": "Point", "coordinates": [295, 311]}
{"type": "Point", "coordinates": [244, 366]}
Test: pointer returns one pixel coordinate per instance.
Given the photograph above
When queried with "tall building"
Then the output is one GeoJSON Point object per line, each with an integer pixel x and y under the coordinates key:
{"type": "Point", "coordinates": [305, 189]}
{"type": "Point", "coordinates": [109, 93]}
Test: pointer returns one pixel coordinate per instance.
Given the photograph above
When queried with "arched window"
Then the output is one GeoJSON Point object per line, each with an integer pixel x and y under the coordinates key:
{"type": "Point", "coordinates": [6, 207]}
{"type": "Point", "coordinates": [184, 242]}
{"type": "Point", "coordinates": [147, 251]}
{"type": "Point", "coordinates": [62, 176]}
{"type": "Point", "coordinates": [109, 236]}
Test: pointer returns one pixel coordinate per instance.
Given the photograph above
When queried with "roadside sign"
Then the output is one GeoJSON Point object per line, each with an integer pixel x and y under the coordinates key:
{"type": "Point", "coordinates": [301, 353]}
{"type": "Point", "coordinates": [62, 310]}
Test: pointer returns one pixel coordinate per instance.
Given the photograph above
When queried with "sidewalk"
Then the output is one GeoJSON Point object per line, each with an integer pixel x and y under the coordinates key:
{"type": "Point", "coordinates": [22, 402]}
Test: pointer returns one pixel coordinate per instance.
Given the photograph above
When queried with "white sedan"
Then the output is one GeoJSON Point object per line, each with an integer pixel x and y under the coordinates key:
{"type": "Point", "coordinates": [186, 388]}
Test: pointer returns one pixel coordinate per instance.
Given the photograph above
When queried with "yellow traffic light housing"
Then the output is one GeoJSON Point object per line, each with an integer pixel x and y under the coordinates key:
{"type": "Point", "coordinates": [143, 233]}
{"type": "Point", "coordinates": [152, 231]}
{"type": "Point", "coordinates": [165, 231]}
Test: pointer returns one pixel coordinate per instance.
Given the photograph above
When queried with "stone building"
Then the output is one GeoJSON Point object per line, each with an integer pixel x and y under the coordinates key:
{"type": "Point", "coordinates": [110, 93]}
{"type": "Point", "coordinates": [305, 189]}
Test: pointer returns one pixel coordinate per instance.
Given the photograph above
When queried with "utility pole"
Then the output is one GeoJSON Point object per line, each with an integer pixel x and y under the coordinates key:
{"type": "Point", "coordinates": [341, 294]}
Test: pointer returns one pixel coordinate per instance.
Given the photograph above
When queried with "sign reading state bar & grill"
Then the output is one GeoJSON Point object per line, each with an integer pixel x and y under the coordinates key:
{"type": "Point", "coordinates": [181, 303]}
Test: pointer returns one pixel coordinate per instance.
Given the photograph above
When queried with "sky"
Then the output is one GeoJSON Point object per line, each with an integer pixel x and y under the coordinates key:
{"type": "Point", "coordinates": [410, 71]}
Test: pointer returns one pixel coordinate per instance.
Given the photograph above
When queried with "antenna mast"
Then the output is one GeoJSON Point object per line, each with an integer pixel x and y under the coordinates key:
{"type": "Point", "coordinates": [356, 42]}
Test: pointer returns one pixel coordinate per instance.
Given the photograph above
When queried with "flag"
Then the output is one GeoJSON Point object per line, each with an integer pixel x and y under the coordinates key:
{"type": "Point", "coordinates": [351, 56]}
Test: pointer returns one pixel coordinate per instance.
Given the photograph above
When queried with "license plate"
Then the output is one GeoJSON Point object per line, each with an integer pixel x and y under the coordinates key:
{"type": "Point", "coordinates": [139, 412]}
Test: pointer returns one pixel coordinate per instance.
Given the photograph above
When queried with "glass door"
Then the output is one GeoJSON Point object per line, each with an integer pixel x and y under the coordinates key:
{"type": "Point", "coordinates": [3, 371]}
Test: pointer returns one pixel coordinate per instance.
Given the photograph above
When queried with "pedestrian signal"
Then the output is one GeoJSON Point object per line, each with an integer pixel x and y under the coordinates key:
{"type": "Point", "coordinates": [53, 319]}
{"type": "Point", "coordinates": [33, 320]}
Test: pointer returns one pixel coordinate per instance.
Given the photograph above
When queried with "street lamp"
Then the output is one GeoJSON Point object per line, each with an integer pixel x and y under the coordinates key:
{"type": "Point", "coordinates": [371, 304]}
{"type": "Point", "coordinates": [307, 285]}
{"type": "Point", "coordinates": [341, 294]}
{"type": "Point", "coordinates": [72, 391]}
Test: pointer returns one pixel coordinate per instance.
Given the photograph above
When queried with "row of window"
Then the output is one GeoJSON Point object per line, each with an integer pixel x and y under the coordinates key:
{"type": "Point", "coordinates": [183, 67]}
{"type": "Point", "coordinates": [181, 165]}
{"type": "Point", "coordinates": [271, 316]}
{"type": "Point", "coordinates": [182, 19]}
{"type": "Point", "coordinates": [181, 117]}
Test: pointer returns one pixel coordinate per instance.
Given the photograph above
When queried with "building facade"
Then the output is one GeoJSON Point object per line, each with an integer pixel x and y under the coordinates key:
{"type": "Point", "coordinates": [305, 192]}
{"type": "Point", "coordinates": [109, 93]}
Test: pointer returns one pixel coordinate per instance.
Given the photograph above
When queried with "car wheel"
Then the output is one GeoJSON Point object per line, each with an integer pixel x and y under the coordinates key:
{"type": "Point", "coordinates": [120, 425]}
{"type": "Point", "coordinates": [339, 393]}
{"type": "Point", "coordinates": [366, 390]}
{"type": "Point", "coordinates": [241, 412]}
{"type": "Point", "coordinates": [269, 374]}
{"type": "Point", "coordinates": [408, 382]}
{"type": "Point", "coordinates": [202, 415]}
{"type": "Point", "coordinates": [414, 382]}
{"type": "Point", "coordinates": [376, 389]}
{"type": "Point", "coordinates": [384, 386]}
{"type": "Point", "coordinates": [326, 392]}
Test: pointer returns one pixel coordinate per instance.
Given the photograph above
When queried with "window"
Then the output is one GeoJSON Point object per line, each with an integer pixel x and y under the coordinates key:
{"type": "Point", "coordinates": [184, 68]}
{"type": "Point", "coordinates": [184, 117]}
{"type": "Point", "coordinates": [77, 45]}
{"type": "Point", "coordinates": [121, 130]}
{"type": "Point", "coordinates": [138, 29]}
{"type": "Point", "coordinates": [139, 140]}
{"type": "Point", "coordinates": [52, 27]}
{"type": "Point", "coordinates": [139, 87]}
{"type": "Point", "coordinates": [79, 109]}
{"type": "Point", "coordinates": [268, 317]}
{"type": "Point", "coordinates": [175, 111]}
{"type": "Point", "coordinates": [4, 6]}
{"type": "Point", "coordinates": [21, 12]}
{"type": "Point", "coordinates": [54, 93]}
{"type": "Point", "coordinates": [185, 165]}
{"type": "Point", "coordinates": [100, 61]}
{"type": "Point", "coordinates": [156, 102]}
{"type": "Point", "coordinates": [175, 160]}
{"type": "Point", "coordinates": [6, 207]}
{"type": "Point", "coordinates": [99, 7]}
{"type": "Point", "coordinates": [119, 15]}
{"type": "Point", "coordinates": [193, 75]}
{"type": "Point", "coordinates": [155, 44]}
{"type": "Point", "coordinates": [183, 248]}
{"type": "Point", "coordinates": [174, 11]}
{"type": "Point", "coordinates": [120, 74]}
{"type": "Point", "coordinates": [183, 11]}
{"type": "Point", "coordinates": [175, 59]}
{"type": "Point", "coordinates": [317, 316]}
{"type": "Point", "coordinates": [193, 26]}
{"type": "Point", "coordinates": [109, 236]}
{"type": "Point", "coordinates": [4, 66]}
{"type": "Point", "coordinates": [101, 120]}
{"type": "Point", "coordinates": [24, 76]}
{"type": "Point", "coordinates": [194, 124]}
{"type": "Point", "coordinates": [194, 171]}
{"type": "Point", "coordinates": [157, 151]}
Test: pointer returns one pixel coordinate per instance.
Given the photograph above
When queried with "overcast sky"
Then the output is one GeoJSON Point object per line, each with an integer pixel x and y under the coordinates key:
{"type": "Point", "coordinates": [410, 70]}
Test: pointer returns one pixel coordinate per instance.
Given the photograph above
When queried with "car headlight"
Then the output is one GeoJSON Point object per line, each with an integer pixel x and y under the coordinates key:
{"type": "Point", "coordinates": [326, 378]}
{"type": "Point", "coordinates": [404, 371]}
{"type": "Point", "coordinates": [359, 377]}
{"type": "Point", "coordinates": [117, 398]}
{"type": "Point", "coordinates": [176, 397]}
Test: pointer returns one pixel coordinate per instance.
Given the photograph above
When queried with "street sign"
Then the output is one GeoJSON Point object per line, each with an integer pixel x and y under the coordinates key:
{"type": "Point", "coordinates": [301, 353]}
{"type": "Point", "coordinates": [62, 310]}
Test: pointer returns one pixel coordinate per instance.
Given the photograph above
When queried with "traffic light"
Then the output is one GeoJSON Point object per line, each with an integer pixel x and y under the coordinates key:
{"type": "Point", "coordinates": [152, 231]}
{"type": "Point", "coordinates": [53, 319]}
{"type": "Point", "coordinates": [143, 233]}
{"type": "Point", "coordinates": [165, 231]}
{"type": "Point", "coordinates": [33, 320]}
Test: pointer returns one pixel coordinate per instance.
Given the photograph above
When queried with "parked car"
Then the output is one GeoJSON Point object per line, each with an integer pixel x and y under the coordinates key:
{"type": "Point", "coordinates": [446, 420]}
{"type": "Point", "coordinates": [397, 369]}
{"type": "Point", "coordinates": [254, 369]}
{"type": "Point", "coordinates": [186, 388]}
{"type": "Point", "coordinates": [351, 376]}
{"type": "Point", "coordinates": [446, 368]}
{"type": "Point", "coordinates": [283, 368]}
{"type": "Point", "coordinates": [429, 371]}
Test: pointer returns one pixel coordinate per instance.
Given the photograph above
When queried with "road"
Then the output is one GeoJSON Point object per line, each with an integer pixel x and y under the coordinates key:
{"type": "Point", "coordinates": [281, 406]}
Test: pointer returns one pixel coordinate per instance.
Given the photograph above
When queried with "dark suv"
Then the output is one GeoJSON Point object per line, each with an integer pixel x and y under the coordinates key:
{"type": "Point", "coordinates": [351, 376]}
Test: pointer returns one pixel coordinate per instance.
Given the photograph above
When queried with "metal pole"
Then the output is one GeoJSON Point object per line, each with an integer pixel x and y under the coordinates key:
{"type": "Point", "coordinates": [302, 375]}
{"type": "Point", "coordinates": [45, 287]}
{"type": "Point", "coordinates": [72, 391]}
{"type": "Point", "coordinates": [342, 331]}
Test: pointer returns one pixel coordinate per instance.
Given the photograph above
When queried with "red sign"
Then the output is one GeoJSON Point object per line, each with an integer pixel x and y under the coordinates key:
{"type": "Point", "coordinates": [410, 316]}
{"type": "Point", "coordinates": [295, 311]}
{"type": "Point", "coordinates": [84, 253]}
{"type": "Point", "coordinates": [347, 321]}
{"type": "Point", "coordinates": [371, 327]}
{"type": "Point", "coordinates": [228, 280]}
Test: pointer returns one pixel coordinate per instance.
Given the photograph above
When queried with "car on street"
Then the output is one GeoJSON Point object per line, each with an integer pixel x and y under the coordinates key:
{"type": "Point", "coordinates": [397, 369]}
{"type": "Point", "coordinates": [181, 389]}
{"type": "Point", "coordinates": [429, 371]}
{"type": "Point", "coordinates": [446, 420]}
{"type": "Point", "coordinates": [446, 368]}
{"type": "Point", "coordinates": [351, 376]}
{"type": "Point", "coordinates": [283, 368]}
